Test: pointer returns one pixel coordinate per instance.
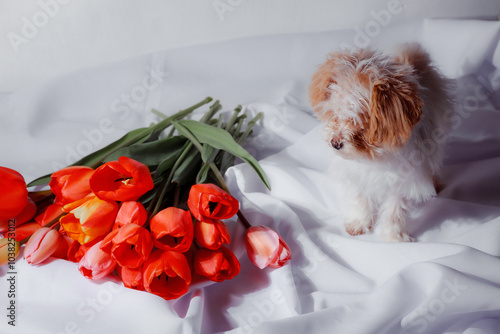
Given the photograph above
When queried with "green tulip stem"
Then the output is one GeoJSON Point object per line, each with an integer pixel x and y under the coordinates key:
{"type": "Point", "coordinates": [167, 182]}
{"type": "Point", "coordinates": [243, 219]}
{"type": "Point", "coordinates": [223, 185]}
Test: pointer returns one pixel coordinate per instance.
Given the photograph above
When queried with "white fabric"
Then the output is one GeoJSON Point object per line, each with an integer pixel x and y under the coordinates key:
{"type": "Point", "coordinates": [446, 282]}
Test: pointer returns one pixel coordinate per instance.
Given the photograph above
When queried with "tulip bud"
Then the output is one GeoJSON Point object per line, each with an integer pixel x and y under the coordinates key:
{"type": "Point", "coordinates": [216, 265]}
{"type": "Point", "coordinates": [266, 248]}
{"type": "Point", "coordinates": [89, 218]}
{"type": "Point", "coordinates": [131, 212]}
{"type": "Point", "coordinates": [131, 277]}
{"type": "Point", "coordinates": [131, 245]}
{"type": "Point", "coordinates": [96, 263]}
{"type": "Point", "coordinates": [206, 200]}
{"type": "Point", "coordinates": [122, 180]}
{"type": "Point", "coordinates": [71, 184]}
{"type": "Point", "coordinates": [14, 195]}
{"type": "Point", "coordinates": [211, 234]}
{"type": "Point", "coordinates": [172, 229]}
{"type": "Point", "coordinates": [42, 244]}
{"type": "Point", "coordinates": [166, 274]}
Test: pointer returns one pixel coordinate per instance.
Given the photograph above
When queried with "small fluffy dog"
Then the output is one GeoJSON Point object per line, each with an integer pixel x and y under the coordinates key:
{"type": "Point", "coordinates": [385, 118]}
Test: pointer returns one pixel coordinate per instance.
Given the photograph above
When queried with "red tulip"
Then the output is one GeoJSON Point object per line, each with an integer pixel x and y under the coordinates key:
{"type": "Point", "coordinates": [216, 265]}
{"type": "Point", "coordinates": [14, 195]}
{"type": "Point", "coordinates": [266, 248]}
{"type": "Point", "coordinates": [42, 244]}
{"type": "Point", "coordinates": [64, 245]}
{"type": "Point", "coordinates": [122, 180]}
{"type": "Point", "coordinates": [25, 230]}
{"type": "Point", "coordinates": [131, 245]}
{"type": "Point", "coordinates": [172, 229]}
{"type": "Point", "coordinates": [166, 274]}
{"type": "Point", "coordinates": [209, 201]}
{"type": "Point", "coordinates": [24, 216]}
{"type": "Point", "coordinates": [211, 234]}
{"type": "Point", "coordinates": [49, 214]}
{"type": "Point", "coordinates": [89, 218]}
{"type": "Point", "coordinates": [71, 184]}
{"type": "Point", "coordinates": [131, 212]}
{"type": "Point", "coordinates": [131, 277]}
{"type": "Point", "coordinates": [107, 242]}
{"type": "Point", "coordinates": [96, 263]}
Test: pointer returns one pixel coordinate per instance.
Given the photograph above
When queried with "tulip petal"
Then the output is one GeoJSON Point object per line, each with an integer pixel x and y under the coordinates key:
{"type": "Point", "coordinates": [14, 194]}
{"type": "Point", "coordinates": [262, 244]}
{"type": "Point", "coordinates": [42, 244]}
{"type": "Point", "coordinates": [216, 265]}
{"type": "Point", "coordinates": [71, 184]}
{"type": "Point", "coordinates": [96, 263]}
{"type": "Point", "coordinates": [122, 180]}
{"type": "Point", "coordinates": [167, 274]}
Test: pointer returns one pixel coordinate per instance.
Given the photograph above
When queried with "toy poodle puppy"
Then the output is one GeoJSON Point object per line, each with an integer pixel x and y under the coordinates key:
{"type": "Point", "coordinates": [386, 119]}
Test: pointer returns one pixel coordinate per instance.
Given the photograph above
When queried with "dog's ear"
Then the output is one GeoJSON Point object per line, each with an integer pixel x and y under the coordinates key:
{"type": "Point", "coordinates": [321, 80]}
{"type": "Point", "coordinates": [395, 108]}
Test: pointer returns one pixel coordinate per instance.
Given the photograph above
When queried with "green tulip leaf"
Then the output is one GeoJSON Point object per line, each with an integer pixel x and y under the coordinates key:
{"type": "Point", "coordinates": [151, 153]}
{"type": "Point", "coordinates": [219, 139]}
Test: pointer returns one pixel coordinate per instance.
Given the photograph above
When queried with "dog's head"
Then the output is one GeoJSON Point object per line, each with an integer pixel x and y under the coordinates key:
{"type": "Point", "coordinates": [368, 102]}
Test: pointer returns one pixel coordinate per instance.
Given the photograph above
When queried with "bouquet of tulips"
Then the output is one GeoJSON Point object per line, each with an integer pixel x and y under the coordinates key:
{"type": "Point", "coordinates": [149, 207]}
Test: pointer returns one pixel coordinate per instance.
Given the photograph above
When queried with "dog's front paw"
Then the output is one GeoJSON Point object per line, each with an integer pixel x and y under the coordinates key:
{"type": "Point", "coordinates": [396, 235]}
{"type": "Point", "coordinates": [357, 227]}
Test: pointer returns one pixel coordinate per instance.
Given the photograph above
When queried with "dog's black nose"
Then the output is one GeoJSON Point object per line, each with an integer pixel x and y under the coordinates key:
{"type": "Point", "coordinates": [337, 144]}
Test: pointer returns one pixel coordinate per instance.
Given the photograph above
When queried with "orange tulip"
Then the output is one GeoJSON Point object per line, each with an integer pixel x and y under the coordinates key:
{"type": "Point", "coordinates": [216, 265]}
{"type": "Point", "coordinates": [14, 195]}
{"type": "Point", "coordinates": [209, 201]}
{"type": "Point", "coordinates": [122, 180]}
{"type": "Point", "coordinates": [89, 218]}
{"type": "Point", "coordinates": [131, 245]}
{"type": "Point", "coordinates": [24, 216]}
{"type": "Point", "coordinates": [131, 212]}
{"type": "Point", "coordinates": [172, 229]}
{"type": "Point", "coordinates": [131, 277]}
{"type": "Point", "coordinates": [42, 244]}
{"type": "Point", "coordinates": [9, 250]}
{"type": "Point", "coordinates": [96, 263]}
{"type": "Point", "coordinates": [211, 234]}
{"type": "Point", "coordinates": [166, 274]}
{"type": "Point", "coordinates": [266, 248]}
{"type": "Point", "coordinates": [71, 184]}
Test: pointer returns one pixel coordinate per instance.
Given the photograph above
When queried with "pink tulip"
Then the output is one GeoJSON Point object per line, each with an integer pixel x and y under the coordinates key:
{"type": "Point", "coordinates": [266, 248]}
{"type": "Point", "coordinates": [42, 244]}
{"type": "Point", "coordinates": [96, 263]}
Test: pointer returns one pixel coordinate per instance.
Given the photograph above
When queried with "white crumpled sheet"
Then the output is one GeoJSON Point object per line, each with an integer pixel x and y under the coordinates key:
{"type": "Point", "coordinates": [446, 282]}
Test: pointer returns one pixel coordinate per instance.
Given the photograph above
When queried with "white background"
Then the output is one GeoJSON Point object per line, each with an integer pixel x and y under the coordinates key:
{"type": "Point", "coordinates": [82, 34]}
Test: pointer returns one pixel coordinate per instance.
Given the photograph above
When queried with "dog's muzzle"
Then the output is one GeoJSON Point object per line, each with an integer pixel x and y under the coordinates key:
{"type": "Point", "coordinates": [336, 144]}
